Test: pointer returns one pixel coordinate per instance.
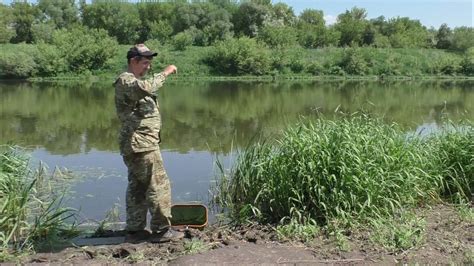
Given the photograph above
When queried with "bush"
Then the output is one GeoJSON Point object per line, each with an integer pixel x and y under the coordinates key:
{"type": "Point", "coordinates": [89, 52]}
{"type": "Point", "coordinates": [446, 65]}
{"type": "Point", "coordinates": [467, 64]}
{"type": "Point", "coordinates": [182, 40]}
{"type": "Point", "coordinates": [353, 63]}
{"type": "Point", "coordinates": [334, 70]}
{"type": "Point", "coordinates": [50, 61]}
{"type": "Point", "coordinates": [315, 68]}
{"type": "Point", "coordinates": [17, 65]}
{"type": "Point", "coordinates": [239, 56]}
{"type": "Point", "coordinates": [160, 30]}
{"type": "Point", "coordinates": [297, 65]}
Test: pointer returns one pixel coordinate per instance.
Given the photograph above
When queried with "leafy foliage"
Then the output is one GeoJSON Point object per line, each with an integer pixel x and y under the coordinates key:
{"type": "Point", "coordinates": [120, 20]}
{"type": "Point", "coordinates": [20, 64]}
{"type": "Point", "coordinates": [183, 40]}
{"type": "Point", "coordinates": [7, 32]}
{"type": "Point", "coordinates": [89, 52]}
{"type": "Point", "coordinates": [277, 36]}
{"type": "Point", "coordinates": [25, 15]}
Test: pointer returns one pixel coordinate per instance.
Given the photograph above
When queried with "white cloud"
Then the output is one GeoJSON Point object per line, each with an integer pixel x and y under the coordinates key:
{"type": "Point", "coordinates": [330, 19]}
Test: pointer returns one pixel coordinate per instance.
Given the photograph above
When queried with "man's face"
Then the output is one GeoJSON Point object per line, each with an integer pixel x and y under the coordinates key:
{"type": "Point", "coordinates": [141, 67]}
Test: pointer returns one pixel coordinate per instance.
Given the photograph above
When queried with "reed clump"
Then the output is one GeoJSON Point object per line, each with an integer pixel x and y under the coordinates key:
{"type": "Point", "coordinates": [350, 170]}
{"type": "Point", "coordinates": [31, 211]}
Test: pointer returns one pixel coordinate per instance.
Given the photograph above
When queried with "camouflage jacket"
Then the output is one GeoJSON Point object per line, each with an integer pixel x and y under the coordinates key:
{"type": "Point", "coordinates": [139, 112]}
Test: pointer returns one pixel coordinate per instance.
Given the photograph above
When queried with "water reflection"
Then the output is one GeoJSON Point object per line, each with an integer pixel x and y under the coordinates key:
{"type": "Point", "coordinates": [74, 124]}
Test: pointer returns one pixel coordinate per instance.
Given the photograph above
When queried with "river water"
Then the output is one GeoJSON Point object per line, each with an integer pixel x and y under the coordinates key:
{"type": "Point", "coordinates": [72, 126]}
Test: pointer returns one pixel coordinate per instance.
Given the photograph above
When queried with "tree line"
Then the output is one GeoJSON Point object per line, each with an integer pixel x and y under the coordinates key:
{"type": "Point", "coordinates": [252, 37]}
{"type": "Point", "coordinates": [202, 23]}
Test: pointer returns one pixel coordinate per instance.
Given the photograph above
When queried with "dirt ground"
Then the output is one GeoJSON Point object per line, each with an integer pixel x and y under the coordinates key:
{"type": "Point", "coordinates": [448, 239]}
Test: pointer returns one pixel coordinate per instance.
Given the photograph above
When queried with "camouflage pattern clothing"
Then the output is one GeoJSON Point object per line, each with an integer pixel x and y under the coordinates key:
{"type": "Point", "coordinates": [148, 184]}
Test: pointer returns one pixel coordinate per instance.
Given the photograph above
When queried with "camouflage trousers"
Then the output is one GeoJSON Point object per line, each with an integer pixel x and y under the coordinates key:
{"type": "Point", "coordinates": [148, 190]}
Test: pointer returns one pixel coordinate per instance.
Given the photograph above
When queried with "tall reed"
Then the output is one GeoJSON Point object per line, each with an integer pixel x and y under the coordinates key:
{"type": "Point", "coordinates": [29, 215]}
{"type": "Point", "coordinates": [351, 169]}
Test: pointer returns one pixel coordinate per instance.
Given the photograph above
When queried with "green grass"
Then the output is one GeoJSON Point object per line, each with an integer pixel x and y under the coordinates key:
{"type": "Point", "coordinates": [352, 170]}
{"type": "Point", "coordinates": [297, 230]}
{"type": "Point", "coordinates": [32, 216]}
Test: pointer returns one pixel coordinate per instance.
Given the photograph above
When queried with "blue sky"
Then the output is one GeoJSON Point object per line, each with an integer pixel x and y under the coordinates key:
{"type": "Point", "coordinates": [430, 12]}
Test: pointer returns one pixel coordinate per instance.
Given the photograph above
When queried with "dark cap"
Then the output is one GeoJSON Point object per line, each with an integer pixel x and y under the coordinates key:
{"type": "Point", "coordinates": [140, 50]}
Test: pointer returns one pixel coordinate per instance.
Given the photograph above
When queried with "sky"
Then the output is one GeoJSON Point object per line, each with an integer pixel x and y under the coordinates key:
{"type": "Point", "coordinates": [431, 13]}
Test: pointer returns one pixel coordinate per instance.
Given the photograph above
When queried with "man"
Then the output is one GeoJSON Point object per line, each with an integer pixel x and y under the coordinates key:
{"type": "Point", "coordinates": [148, 185]}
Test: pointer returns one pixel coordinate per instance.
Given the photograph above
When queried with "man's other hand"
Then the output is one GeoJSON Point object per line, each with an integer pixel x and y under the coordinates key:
{"type": "Point", "coordinates": [171, 69]}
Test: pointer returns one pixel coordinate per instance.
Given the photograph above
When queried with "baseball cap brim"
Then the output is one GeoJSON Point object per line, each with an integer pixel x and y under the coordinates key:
{"type": "Point", "coordinates": [148, 53]}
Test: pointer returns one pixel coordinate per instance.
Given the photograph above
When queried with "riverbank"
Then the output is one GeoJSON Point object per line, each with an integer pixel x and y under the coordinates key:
{"type": "Point", "coordinates": [447, 237]}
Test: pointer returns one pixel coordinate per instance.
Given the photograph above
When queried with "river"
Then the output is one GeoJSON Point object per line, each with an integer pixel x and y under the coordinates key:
{"type": "Point", "coordinates": [72, 126]}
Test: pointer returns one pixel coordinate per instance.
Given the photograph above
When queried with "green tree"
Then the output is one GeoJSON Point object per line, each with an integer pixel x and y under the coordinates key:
{"type": "Point", "coordinates": [153, 13]}
{"type": "Point", "coordinates": [312, 16]}
{"type": "Point", "coordinates": [368, 37]}
{"type": "Point", "coordinates": [311, 36]}
{"type": "Point", "coordinates": [283, 14]}
{"type": "Point", "coordinates": [188, 15]}
{"type": "Point", "coordinates": [381, 41]}
{"type": "Point", "coordinates": [43, 31]}
{"type": "Point", "coordinates": [352, 24]}
{"type": "Point", "coordinates": [463, 38]}
{"type": "Point", "coordinates": [278, 36]}
{"type": "Point", "coordinates": [249, 18]}
{"type": "Point", "coordinates": [312, 32]}
{"type": "Point", "coordinates": [379, 24]}
{"type": "Point", "coordinates": [160, 30]}
{"type": "Point", "coordinates": [63, 13]}
{"type": "Point", "coordinates": [219, 26]}
{"type": "Point", "coordinates": [25, 15]}
{"type": "Point", "coordinates": [444, 37]}
{"type": "Point", "coordinates": [7, 30]}
{"type": "Point", "coordinates": [404, 32]}
{"type": "Point", "coordinates": [120, 20]}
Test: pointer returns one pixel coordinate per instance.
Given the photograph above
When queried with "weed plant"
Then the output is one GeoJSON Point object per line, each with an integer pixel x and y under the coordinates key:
{"type": "Point", "coordinates": [402, 232]}
{"type": "Point", "coordinates": [194, 246]}
{"type": "Point", "coordinates": [30, 216]}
